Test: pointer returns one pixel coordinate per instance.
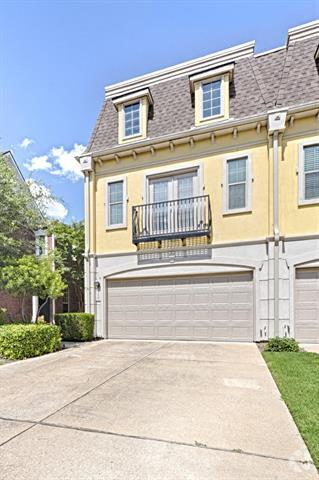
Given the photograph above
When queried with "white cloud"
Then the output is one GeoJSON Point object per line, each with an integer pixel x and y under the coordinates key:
{"type": "Point", "coordinates": [26, 142]}
{"type": "Point", "coordinates": [45, 201]}
{"type": "Point", "coordinates": [59, 161]}
{"type": "Point", "coordinates": [65, 162]}
{"type": "Point", "coordinates": [39, 163]}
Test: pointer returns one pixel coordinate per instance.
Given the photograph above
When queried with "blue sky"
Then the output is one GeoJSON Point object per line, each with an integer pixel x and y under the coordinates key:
{"type": "Point", "coordinates": [57, 56]}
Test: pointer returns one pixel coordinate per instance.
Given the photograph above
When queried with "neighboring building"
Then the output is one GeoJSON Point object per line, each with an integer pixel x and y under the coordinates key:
{"type": "Point", "coordinates": [44, 244]}
{"type": "Point", "coordinates": [202, 198]}
{"type": "Point", "coordinates": [11, 303]}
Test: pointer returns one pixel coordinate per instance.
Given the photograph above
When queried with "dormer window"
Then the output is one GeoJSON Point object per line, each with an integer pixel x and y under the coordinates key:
{"type": "Point", "coordinates": [133, 115]}
{"type": "Point", "coordinates": [132, 119]}
{"type": "Point", "coordinates": [211, 92]}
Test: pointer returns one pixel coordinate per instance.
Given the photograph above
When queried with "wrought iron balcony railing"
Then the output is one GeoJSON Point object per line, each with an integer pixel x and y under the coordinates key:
{"type": "Point", "coordinates": [188, 217]}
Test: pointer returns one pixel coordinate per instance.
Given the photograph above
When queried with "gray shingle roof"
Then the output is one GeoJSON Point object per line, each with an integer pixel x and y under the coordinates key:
{"type": "Point", "coordinates": [281, 78]}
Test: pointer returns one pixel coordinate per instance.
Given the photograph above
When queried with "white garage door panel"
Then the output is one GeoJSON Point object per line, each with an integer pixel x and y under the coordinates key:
{"type": "Point", "coordinates": [206, 307]}
{"type": "Point", "coordinates": [307, 306]}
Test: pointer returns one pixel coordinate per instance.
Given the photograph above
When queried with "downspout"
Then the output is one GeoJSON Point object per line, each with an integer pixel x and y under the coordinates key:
{"type": "Point", "coordinates": [276, 231]}
{"type": "Point", "coordinates": [276, 125]}
{"type": "Point", "coordinates": [87, 273]}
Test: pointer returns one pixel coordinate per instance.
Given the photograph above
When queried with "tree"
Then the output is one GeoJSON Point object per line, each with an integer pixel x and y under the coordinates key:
{"type": "Point", "coordinates": [30, 275]}
{"type": "Point", "coordinates": [20, 217]}
{"type": "Point", "coordinates": [69, 250]}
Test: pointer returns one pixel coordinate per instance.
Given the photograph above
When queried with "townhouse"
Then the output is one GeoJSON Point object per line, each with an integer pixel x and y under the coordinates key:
{"type": "Point", "coordinates": [202, 198]}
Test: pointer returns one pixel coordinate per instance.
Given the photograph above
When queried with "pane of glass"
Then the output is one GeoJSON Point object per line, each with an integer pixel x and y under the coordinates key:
{"type": "Point", "coordinates": [311, 185]}
{"type": "Point", "coordinates": [311, 158]}
{"type": "Point", "coordinates": [237, 170]}
{"type": "Point", "coordinates": [184, 187]}
{"type": "Point", "coordinates": [160, 191]}
{"type": "Point", "coordinates": [115, 192]}
{"type": "Point", "coordinates": [116, 214]}
{"type": "Point", "coordinates": [237, 196]}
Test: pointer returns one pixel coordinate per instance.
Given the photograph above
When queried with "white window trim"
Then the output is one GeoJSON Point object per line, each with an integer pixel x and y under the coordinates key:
{"type": "Point", "coordinates": [171, 171]}
{"type": "Point", "coordinates": [135, 135]}
{"type": "Point", "coordinates": [222, 93]}
{"type": "Point", "coordinates": [301, 174]}
{"type": "Point", "coordinates": [249, 180]}
{"type": "Point", "coordinates": [125, 200]}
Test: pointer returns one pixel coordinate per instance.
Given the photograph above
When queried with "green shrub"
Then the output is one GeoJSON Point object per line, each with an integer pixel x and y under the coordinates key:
{"type": "Point", "coordinates": [278, 344]}
{"type": "Point", "coordinates": [76, 326]}
{"type": "Point", "coordinates": [30, 340]}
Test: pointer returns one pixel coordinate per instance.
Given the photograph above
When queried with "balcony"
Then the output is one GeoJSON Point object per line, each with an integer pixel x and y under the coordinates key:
{"type": "Point", "coordinates": [174, 219]}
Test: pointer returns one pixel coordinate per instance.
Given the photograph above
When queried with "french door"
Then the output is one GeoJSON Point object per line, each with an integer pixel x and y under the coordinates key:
{"type": "Point", "coordinates": [172, 205]}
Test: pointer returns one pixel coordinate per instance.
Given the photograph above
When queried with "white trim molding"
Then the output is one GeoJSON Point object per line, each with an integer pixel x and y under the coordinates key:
{"type": "Point", "coordinates": [215, 72]}
{"type": "Point", "coordinates": [134, 96]}
{"type": "Point", "coordinates": [186, 68]}
{"type": "Point", "coordinates": [172, 170]}
{"type": "Point", "coordinates": [110, 180]}
{"type": "Point", "coordinates": [301, 32]}
{"type": "Point", "coordinates": [249, 180]}
{"type": "Point", "coordinates": [301, 174]}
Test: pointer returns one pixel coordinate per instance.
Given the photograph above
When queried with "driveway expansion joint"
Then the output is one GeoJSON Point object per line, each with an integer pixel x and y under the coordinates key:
{"type": "Point", "coordinates": [34, 423]}
{"type": "Point", "coordinates": [198, 445]}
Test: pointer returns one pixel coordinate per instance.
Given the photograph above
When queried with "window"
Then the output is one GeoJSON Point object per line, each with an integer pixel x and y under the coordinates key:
{"type": "Point", "coordinates": [133, 112]}
{"type": "Point", "coordinates": [237, 182]}
{"type": "Point", "coordinates": [132, 119]}
{"type": "Point", "coordinates": [65, 304]}
{"type": "Point", "coordinates": [211, 99]}
{"type": "Point", "coordinates": [211, 95]}
{"type": "Point", "coordinates": [308, 173]}
{"type": "Point", "coordinates": [311, 172]}
{"type": "Point", "coordinates": [115, 203]}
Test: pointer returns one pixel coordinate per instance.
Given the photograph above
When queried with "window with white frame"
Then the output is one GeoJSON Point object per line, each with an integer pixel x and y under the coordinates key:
{"type": "Point", "coordinates": [115, 204]}
{"type": "Point", "coordinates": [310, 173]}
{"type": "Point", "coordinates": [132, 124]}
{"type": "Point", "coordinates": [237, 184]}
{"type": "Point", "coordinates": [211, 98]}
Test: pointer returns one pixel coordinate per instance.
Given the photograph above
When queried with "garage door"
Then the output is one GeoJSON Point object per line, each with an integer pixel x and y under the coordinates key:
{"type": "Point", "coordinates": [215, 307]}
{"type": "Point", "coordinates": [307, 306]}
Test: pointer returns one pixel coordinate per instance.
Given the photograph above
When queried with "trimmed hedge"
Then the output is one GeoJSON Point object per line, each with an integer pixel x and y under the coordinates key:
{"type": "Point", "coordinates": [278, 344]}
{"type": "Point", "coordinates": [30, 340]}
{"type": "Point", "coordinates": [76, 326]}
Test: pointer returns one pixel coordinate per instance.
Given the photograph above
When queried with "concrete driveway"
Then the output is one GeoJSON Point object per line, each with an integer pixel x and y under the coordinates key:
{"type": "Point", "coordinates": [147, 411]}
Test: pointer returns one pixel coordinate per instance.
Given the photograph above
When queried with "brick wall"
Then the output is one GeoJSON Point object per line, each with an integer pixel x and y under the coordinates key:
{"type": "Point", "coordinates": [13, 305]}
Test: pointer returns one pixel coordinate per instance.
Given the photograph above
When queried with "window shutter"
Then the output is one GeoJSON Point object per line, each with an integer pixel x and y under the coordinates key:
{"type": "Point", "coordinates": [311, 171]}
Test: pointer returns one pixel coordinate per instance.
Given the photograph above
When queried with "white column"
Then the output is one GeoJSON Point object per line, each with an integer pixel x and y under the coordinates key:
{"type": "Point", "coordinates": [35, 307]}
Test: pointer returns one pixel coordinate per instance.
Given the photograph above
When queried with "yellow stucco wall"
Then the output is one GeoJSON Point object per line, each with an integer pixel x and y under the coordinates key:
{"type": "Point", "coordinates": [294, 220]}
{"type": "Point", "coordinates": [226, 228]}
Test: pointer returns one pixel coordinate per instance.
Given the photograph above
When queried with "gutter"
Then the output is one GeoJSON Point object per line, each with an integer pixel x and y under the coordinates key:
{"type": "Point", "coordinates": [207, 129]}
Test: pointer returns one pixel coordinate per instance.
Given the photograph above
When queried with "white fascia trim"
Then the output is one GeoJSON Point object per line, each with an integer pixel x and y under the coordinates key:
{"type": "Point", "coordinates": [301, 32]}
{"type": "Point", "coordinates": [121, 178]}
{"type": "Point", "coordinates": [133, 96]}
{"type": "Point", "coordinates": [249, 179]}
{"type": "Point", "coordinates": [229, 68]}
{"type": "Point", "coordinates": [301, 174]}
{"type": "Point", "coordinates": [182, 69]}
{"type": "Point", "coordinates": [267, 52]}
